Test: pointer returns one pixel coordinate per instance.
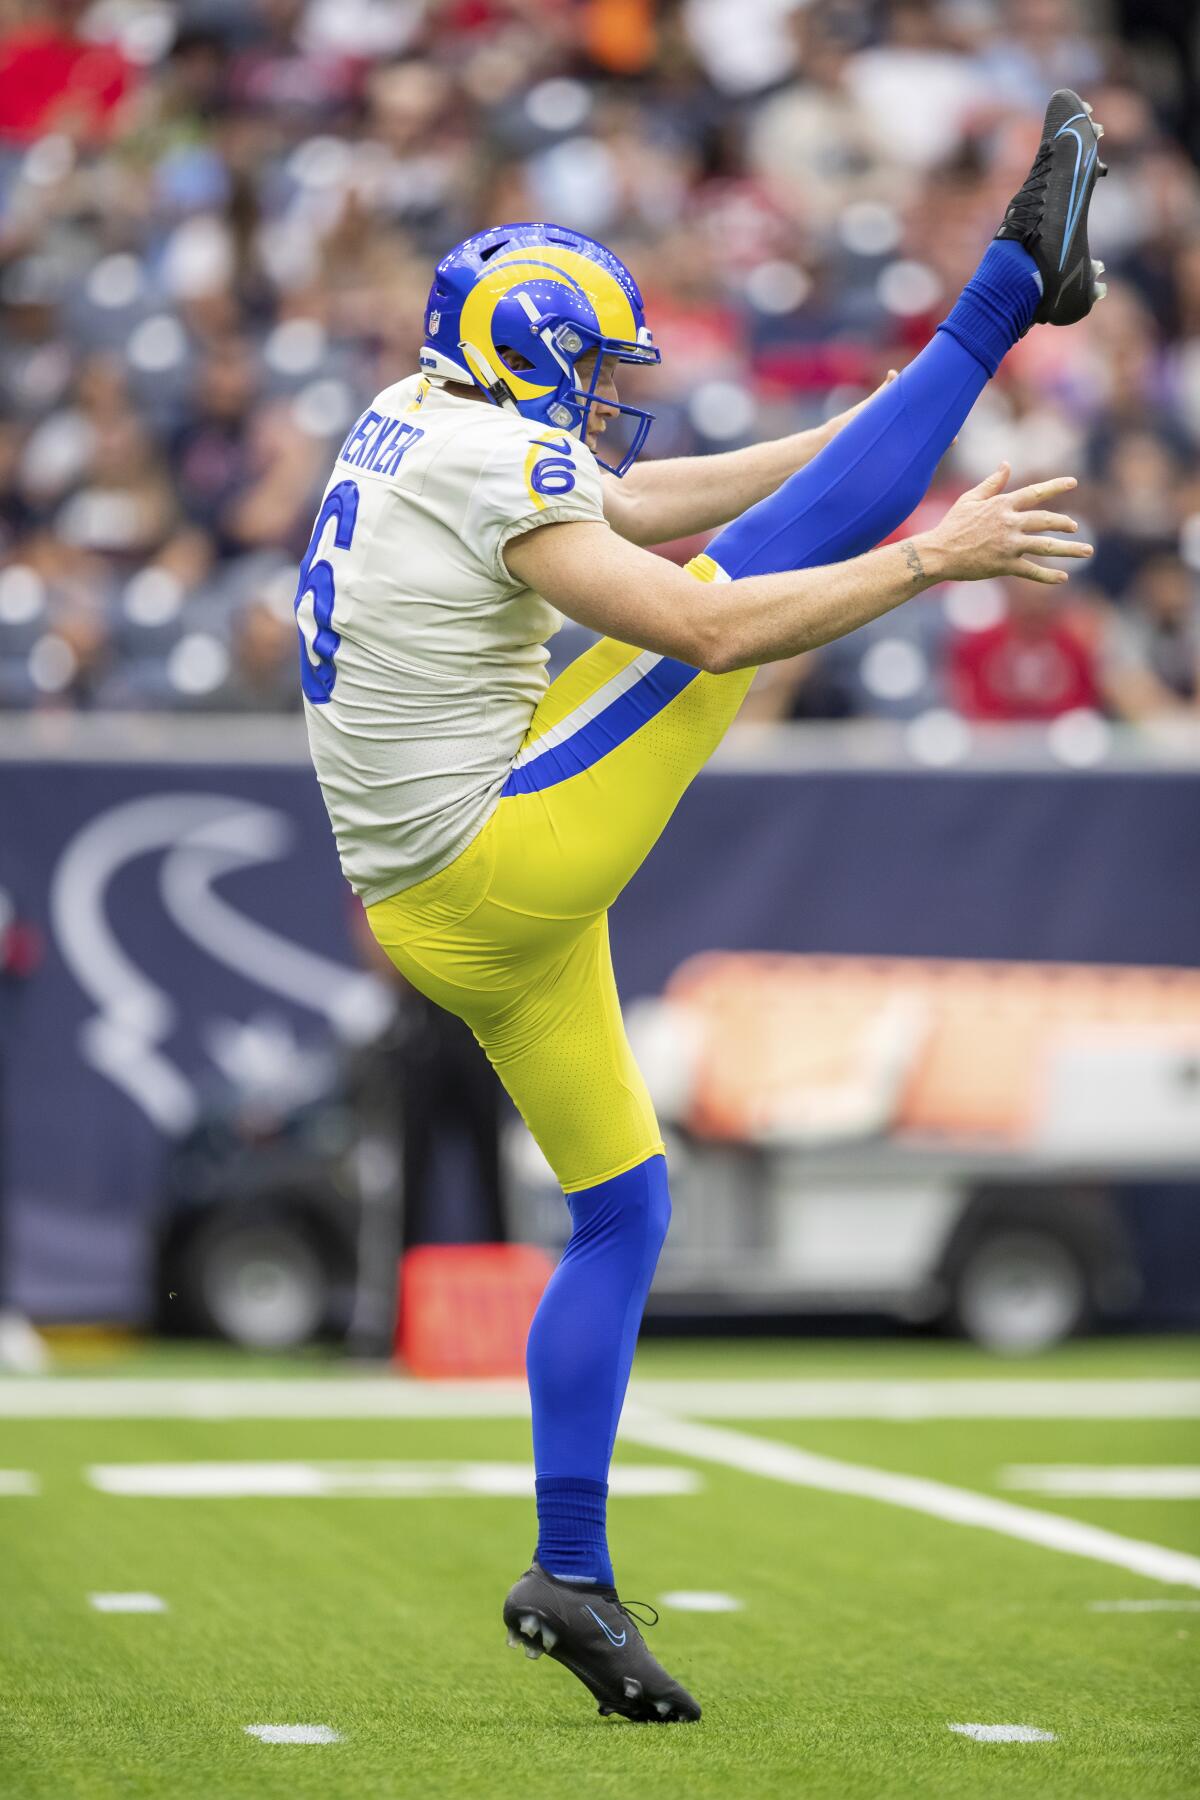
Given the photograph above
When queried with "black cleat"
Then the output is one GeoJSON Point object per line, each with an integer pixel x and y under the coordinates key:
{"type": "Point", "coordinates": [1049, 215]}
{"type": "Point", "coordinates": [592, 1634]}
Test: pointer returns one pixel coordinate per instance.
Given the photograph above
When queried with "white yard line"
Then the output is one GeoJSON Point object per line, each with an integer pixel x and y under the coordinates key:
{"type": "Point", "coordinates": [985, 1398]}
{"type": "Point", "coordinates": [172, 1397]}
{"type": "Point", "coordinates": [386, 1396]}
{"type": "Point", "coordinates": [14, 1482]}
{"type": "Point", "coordinates": [358, 1480]}
{"type": "Point", "coordinates": [1083, 1481]}
{"type": "Point", "coordinates": [959, 1506]}
{"type": "Point", "coordinates": [127, 1603]}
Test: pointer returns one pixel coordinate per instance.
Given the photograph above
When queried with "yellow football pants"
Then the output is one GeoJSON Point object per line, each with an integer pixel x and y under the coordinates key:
{"type": "Point", "coordinates": [513, 935]}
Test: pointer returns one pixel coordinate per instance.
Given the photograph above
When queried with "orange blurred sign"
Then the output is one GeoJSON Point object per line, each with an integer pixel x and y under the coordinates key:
{"type": "Point", "coordinates": [465, 1309]}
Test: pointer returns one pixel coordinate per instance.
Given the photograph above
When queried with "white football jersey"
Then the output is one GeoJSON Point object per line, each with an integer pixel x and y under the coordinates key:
{"type": "Point", "coordinates": [422, 660]}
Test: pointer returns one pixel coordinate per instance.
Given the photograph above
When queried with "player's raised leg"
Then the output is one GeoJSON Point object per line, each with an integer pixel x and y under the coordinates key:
{"type": "Point", "coordinates": [866, 482]}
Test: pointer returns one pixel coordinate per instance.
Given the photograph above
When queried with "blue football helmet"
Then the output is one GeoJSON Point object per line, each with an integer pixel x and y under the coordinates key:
{"type": "Point", "coordinates": [512, 310]}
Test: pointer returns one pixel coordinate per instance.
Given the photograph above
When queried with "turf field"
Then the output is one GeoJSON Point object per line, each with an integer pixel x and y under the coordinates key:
{"type": "Point", "coordinates": [889, 1519]}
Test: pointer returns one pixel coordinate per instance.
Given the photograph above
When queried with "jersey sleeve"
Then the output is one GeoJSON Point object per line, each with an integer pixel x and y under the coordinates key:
{"type": "Point", "coordinates": [532, 478]}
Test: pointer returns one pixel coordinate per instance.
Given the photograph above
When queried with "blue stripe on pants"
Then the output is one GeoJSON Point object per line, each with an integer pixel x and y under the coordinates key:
{"type": "Point", "coordinates": [610, 728]}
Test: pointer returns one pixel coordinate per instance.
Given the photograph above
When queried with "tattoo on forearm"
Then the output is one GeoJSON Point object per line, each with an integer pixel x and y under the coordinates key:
{"type": "Point", "coordinates": [913, 558]}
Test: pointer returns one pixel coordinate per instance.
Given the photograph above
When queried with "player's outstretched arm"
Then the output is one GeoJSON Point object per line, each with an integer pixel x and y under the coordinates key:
{"type": "Point", "coordinates": [611, 586]}
{"type": "Point", "coordinates": [657, 502]}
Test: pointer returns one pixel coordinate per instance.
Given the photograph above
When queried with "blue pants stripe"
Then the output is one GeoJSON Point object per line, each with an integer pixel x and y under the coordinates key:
{"type": "Point", "coordinates": [609, 729]}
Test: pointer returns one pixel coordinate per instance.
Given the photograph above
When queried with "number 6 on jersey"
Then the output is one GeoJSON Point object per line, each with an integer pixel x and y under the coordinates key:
{"type": "Point", "coordinates": [315, 595]}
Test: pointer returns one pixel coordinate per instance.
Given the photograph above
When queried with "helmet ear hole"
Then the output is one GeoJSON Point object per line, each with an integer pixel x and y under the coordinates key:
{"type": "Point", "coordinates": [513, 359]}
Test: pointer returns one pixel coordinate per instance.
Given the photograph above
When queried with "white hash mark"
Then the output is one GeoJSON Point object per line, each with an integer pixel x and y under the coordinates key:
{"type": "Point", "coordinates": [689, 1600]}
{"type": "Point", "coordinates": [128, 1603]}
{"type": "Point", "coordinates": [294, 1734]}
{"type": "Point", "coordinates": [1005, 1734]}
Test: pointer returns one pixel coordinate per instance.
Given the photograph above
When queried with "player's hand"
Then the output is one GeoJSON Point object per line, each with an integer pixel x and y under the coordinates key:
{"type": "Point", "coordinates": [988, 532]}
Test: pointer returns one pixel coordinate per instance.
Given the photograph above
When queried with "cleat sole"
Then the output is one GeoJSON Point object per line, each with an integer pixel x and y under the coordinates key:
{"type": "Point", "coordinates": [631, 1687]}
{"type": "Point", "coordinates": [535, 1636]}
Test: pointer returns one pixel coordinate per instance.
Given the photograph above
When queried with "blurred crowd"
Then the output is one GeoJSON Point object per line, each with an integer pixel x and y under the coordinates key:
{"type": "Point", "coordinates": [217, 224]}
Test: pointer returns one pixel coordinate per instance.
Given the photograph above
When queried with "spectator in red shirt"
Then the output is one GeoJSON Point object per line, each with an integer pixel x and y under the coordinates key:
{"type": "Point", "coordinates": [52, 80]}
{"type": "Point", "coordinates": [1034, 664]}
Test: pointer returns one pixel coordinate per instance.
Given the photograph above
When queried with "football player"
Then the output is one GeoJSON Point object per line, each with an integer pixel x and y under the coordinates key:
{"type": "Point", "coordinates": [488, 819]}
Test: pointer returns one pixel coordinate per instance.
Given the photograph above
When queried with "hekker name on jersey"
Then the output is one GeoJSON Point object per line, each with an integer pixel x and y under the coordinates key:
{"type": "Point", "coordinates": [421, 658]}
{"type": "Point", "coordinates": [378, 443]}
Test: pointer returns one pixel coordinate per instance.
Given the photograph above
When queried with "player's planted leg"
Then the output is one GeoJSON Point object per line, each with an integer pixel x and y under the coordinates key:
{"type": "Point", "coordinates": [578, 1358]}
{"type": "Point", "coordinates": [580, 1352]}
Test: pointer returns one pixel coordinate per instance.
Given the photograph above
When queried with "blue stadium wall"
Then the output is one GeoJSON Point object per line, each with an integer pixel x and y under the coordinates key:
{"type": "Point", "coordinates": [1096, 866]}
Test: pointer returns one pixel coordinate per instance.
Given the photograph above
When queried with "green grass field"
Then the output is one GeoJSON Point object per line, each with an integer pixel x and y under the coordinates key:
{"type": "Point", "coordinates": [865, 1628]}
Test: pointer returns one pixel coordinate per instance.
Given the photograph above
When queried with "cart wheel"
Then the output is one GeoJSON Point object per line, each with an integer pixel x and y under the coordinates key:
{"type": "Point", "coordinates": [1019, 1290]}
{"type": "Point", "coordinates": [260, 1283]}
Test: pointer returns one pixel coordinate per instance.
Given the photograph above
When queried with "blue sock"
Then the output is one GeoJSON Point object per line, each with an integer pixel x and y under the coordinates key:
{"type": "Point", "coordinates": [578, 1358]}
{"type": "Point", "coordinates": [876, 471]}
{"type": "Point", "coordinates": [998, 303]}
{"type": "Point", "coordinates": [572, 1528]}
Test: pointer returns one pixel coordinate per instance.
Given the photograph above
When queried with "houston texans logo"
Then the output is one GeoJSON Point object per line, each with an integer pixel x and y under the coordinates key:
{"type": "Point", "coordinates": [201, 837]}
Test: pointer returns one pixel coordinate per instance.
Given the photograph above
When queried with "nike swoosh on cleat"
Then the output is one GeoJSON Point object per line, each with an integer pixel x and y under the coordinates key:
{"type": "Point", "coordinates": [610, 1635]}
{"type": "Point", "coordinates": [1075, 203]}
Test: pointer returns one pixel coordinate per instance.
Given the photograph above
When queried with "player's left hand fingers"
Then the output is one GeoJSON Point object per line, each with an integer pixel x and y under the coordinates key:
{"type": "Point", "coordinates": [1045, 546]}
{"type": "Point", "coordinates": [1047, 521]}
{"type": "Point", "coordinates": [1031, 571]}
{"type": "Point", "coordinates": [1039, 492]}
